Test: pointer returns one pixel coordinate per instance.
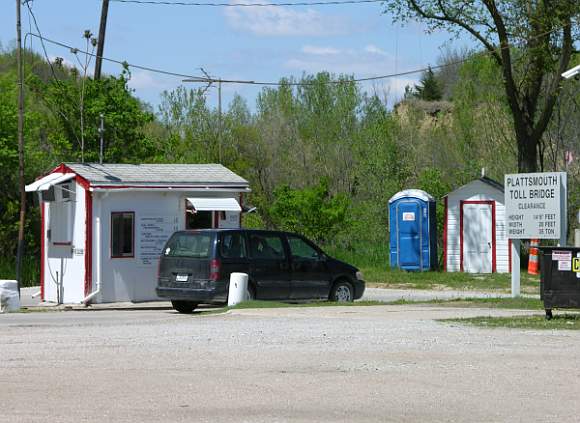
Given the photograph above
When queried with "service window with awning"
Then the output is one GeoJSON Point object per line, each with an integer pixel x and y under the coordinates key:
{"type": "Point", "coordinates": [58, 191]}
{"type": "Point", "coordinates": [212, 212]}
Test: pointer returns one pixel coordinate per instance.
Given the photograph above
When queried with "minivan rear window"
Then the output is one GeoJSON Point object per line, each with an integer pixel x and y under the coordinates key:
{"type": "Point", "coordinates": [188, 245]}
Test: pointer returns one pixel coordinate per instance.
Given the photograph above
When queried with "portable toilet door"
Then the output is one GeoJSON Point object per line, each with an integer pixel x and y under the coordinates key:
{"type": "Point", "coordinates": [413, 235]}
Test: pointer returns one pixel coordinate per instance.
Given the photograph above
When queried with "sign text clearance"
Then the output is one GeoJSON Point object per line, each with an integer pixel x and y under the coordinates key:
{"type": "Point", "coordinates": [535, 204]}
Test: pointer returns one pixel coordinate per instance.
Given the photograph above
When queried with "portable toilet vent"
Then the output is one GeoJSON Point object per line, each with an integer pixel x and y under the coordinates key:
{"type": "Point", "coordinates": [413, 231]}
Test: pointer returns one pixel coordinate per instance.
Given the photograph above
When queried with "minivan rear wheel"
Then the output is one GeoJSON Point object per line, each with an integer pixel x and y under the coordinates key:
{"type": "Point", "coordinates": [342, 292]}
{"type": "Point", "coordinates": [185, 307]}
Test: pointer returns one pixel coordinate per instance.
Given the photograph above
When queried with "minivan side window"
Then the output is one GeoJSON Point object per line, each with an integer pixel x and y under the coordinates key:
{"type": "Point", "coordinates": [264, 246]}
{"type": "Point", "coordinates": [301, 249]}
{"type": "Point", "coordinates": [233, 245]}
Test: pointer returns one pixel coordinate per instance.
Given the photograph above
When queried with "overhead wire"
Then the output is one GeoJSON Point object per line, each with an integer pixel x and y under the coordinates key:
{"type": "Point", "coordinates": [120, 62]}
{"type": "Point", "coordinates": [243, 82]}
{"type": "Point", "coordinates": [206, 79]}
{"type": "Point", "coordinates": [218, 4]}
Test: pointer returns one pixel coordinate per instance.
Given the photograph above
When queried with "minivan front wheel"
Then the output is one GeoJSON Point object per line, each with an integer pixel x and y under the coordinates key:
{"type": "Point", "coordinates": [342, 292]}
{"type": "Point", "coordinates": [185, 307]}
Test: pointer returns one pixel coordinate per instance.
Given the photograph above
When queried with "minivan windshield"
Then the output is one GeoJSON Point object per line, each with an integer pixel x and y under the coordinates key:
{"type": "Point", "coordinates": [188, 245]}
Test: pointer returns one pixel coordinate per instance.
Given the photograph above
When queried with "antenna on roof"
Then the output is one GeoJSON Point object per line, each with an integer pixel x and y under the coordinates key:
{"type": "Point", "coordinates": [101, 132]}
{"type": "Point", "coordinates": [483, 172]}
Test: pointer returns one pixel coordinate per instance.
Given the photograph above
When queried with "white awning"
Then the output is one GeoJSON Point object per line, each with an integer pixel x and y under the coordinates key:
{"type": "Point", "coordinates": [48, 181]}
{"type": "Point", "coordinates": [215, 204]}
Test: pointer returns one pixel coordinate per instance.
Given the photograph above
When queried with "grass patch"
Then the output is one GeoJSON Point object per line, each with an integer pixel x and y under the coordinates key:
{"type": "Point", "coordinates": [560, 321]}
{"type": "Point", "coordinates": [391, 278]}
{"type": "Point", "coordinates": [373, 261]}
{"type": "Point", "coordinates": [520, 303]}
{"type": "Point", "coordinates": [30, 270]}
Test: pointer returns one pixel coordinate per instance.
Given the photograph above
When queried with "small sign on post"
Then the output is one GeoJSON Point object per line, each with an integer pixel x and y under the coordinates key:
{"type": "Point", "coordinates": [535, 207]}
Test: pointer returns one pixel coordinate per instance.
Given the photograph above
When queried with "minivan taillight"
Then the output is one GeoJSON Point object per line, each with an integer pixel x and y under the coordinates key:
{"type": "Point", "coordinates": [214, 270]}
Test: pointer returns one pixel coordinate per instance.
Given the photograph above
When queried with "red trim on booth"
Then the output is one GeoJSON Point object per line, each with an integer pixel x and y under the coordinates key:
{"type": "Point", "coordinates": [493, 230]}
{"type": "Point", "coordinates": [113, 187]}
{"type": "Point", "coordinates": [216, 219]}
{"type": "Point", "coordinates": [42, 241]}
{"type": "Point", "coordinates": [445, 235]}
{"type": "Point", "coordinates": [88, 241]}
{"type": "Point", "coordinates": [62, 168]}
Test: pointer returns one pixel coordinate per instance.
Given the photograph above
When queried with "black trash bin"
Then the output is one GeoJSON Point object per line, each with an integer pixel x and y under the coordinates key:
{"type": "Point", "coordinates": [559, 278]}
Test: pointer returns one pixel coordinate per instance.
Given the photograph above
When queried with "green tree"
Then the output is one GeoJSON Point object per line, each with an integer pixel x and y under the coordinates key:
{"type": "Point", "coordinates": [124, 117]}
{"type": "Point", "coordinates": [531, 42]}
{"type": "Point", "coordinates": [429, 88]}
{"type": "Point", "coordinates": [311, 211]}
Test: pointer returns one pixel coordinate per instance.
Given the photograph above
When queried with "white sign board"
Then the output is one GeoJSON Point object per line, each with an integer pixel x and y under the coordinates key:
{"type": "Point", "coordinates": [229, 220]}
{"type": "Point", "coordinates": [535, 205]}
{"type": "Point", "coordinates": [154, 231]}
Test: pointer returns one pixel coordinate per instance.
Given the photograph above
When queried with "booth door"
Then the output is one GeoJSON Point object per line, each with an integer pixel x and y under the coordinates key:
{"type": "Point", "coordinates": [477, 238]}
{"type": "Point", "coordinates": [409, 221]}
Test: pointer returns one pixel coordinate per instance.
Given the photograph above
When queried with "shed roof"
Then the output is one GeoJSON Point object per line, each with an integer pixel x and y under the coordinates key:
{"type": "Point", "coordinates": [144, 174]}
{"type": "Point", "coordinates": [491, 182]}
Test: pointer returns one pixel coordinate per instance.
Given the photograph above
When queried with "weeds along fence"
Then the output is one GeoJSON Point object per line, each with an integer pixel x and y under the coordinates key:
{"type": "Point", "coordinates": [30, 270]}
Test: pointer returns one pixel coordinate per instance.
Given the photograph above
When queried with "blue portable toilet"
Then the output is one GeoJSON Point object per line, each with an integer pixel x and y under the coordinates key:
{"type": "Point", "coordinates": [413, 230]}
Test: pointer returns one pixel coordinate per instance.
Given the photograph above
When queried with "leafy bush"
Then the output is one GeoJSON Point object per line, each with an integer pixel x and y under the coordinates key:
{"type": "Point", "coordinates": [312, 211]}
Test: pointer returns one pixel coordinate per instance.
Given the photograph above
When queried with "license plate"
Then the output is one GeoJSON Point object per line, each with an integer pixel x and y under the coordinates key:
{"type": "Point", "coordinates": [181, 278]}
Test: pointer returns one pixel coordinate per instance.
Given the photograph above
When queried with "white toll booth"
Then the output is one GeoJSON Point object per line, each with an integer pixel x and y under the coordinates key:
{"type": "Point", "coordinates": [103, 226]}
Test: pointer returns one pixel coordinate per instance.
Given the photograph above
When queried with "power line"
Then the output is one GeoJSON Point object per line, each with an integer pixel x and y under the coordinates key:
{"type": "Point", "coordinates": [290, 4]}
{"type": "Point", "coordinates": [120, 62]}
{"type": "Point", "coordinates": [209, 80]}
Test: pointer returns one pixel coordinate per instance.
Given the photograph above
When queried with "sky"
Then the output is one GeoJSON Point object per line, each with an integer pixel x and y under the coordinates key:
{"type": "Point", "coordinates": [249, 43]}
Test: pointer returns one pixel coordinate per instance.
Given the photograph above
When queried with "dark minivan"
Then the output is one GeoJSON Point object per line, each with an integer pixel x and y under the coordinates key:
{"type": "Point", "coordinates": [195, 267]}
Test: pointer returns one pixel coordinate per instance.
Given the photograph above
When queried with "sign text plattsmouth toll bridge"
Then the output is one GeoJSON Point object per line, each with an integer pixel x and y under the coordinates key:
{"type": "Point", "coordinates": [534, 204]}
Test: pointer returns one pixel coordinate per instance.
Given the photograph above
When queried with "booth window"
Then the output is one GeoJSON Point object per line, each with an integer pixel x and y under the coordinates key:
{"type": "Point", "coordinates": [122, 234]}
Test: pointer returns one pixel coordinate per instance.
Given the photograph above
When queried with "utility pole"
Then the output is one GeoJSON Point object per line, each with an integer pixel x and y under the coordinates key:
{"type": "Point", "coordinates": [220, 120]}
{"type": "Point", "coordinates": [20, 248]}
{"type": "Point", "coordinates": [101, 40]}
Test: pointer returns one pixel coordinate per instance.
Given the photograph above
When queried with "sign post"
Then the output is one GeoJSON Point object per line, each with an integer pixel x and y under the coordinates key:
{"type": "Point", "coordinates": [536, 207]}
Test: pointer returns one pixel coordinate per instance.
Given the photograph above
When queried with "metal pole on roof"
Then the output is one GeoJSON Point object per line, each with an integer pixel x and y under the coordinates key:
{"type": "Point", "coordinates": [220, 121]}
{"type": "Point", "coordinates": [101, 132]}
{"type": "Point", "coordinates": [20, 248]}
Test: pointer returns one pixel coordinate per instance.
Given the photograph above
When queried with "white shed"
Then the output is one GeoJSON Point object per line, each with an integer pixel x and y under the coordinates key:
{"type": "Point", "coordinates": [103, 225]}
{"type": "Point", "coordinates": [475, 238]}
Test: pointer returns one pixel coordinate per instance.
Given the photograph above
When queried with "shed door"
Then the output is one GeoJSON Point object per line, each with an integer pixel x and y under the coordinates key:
{"type": "Point", "coordinates": [409, 221]}
{"type": "Point", "coordinates": [477, 238]}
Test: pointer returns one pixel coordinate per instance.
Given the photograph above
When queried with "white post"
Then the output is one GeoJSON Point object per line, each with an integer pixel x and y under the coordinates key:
{"type": "Point", "coordinates": [238, 288]}
{"type": "Point", "coordinates": [564, 211]}
{"type": "Point", "coordinates": [515, 267]}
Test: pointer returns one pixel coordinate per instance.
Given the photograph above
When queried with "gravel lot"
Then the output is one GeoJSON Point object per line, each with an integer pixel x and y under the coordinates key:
{"type": "Point", "coordinates": [386, 363]}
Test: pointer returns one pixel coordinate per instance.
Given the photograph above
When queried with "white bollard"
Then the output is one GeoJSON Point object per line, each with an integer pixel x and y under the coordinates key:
{"type": "Point", "coordinates": [238, 288]}
{"type": "Point", "coordinates": [9, 298]}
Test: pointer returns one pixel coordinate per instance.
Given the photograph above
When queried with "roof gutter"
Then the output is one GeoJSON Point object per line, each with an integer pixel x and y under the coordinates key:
{"type": "Point", "coordinates": [124, 188]}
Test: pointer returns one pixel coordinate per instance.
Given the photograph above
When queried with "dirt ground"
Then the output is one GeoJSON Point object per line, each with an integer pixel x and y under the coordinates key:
{"type": "Point", "coordinates": [330, 364]}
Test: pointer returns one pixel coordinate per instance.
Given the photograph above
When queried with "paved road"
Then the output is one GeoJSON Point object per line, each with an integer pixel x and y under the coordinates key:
{"type": "Point", "coordinates": [361, 364]}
